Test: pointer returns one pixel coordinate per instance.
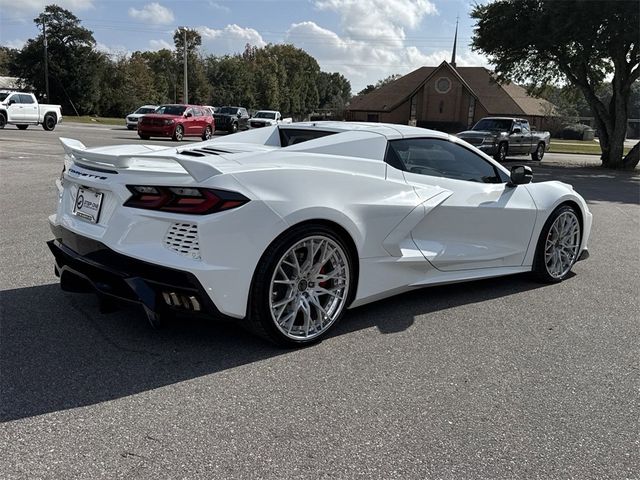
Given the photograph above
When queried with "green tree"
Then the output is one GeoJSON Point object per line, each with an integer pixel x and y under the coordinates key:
{"type": "Point", "coordinates": [74, 64]}
{"type": "Point", "coordinates": [582, 42]}
{"type": "Point", "coordinates": [166, 74]}
{"type": "Point", "coordinates": [7, 60]}
{"type": "Point", "coordinates": [334, 90]}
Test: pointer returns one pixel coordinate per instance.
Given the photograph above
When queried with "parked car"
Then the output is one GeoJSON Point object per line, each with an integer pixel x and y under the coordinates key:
{"type": "Point", "coordinates": [213, 110]}
{"type": "Point", "coordinates": [502, 136]}
{"type": "Point", "coordinates": [285, 227]}
{"type": "Point", "coordinates": [22, 109]}
{"type": "Point", "coordinates": [177, 122]}
{"type": "Point", "coordinates": [265, 118]}
{"type": "Point", "coordinates": [131, 121]}
{"type": "Point", "coordinates": [232, 119]}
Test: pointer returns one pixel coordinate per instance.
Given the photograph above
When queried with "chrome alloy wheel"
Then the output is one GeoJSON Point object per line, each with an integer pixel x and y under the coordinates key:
{"type": "Point", "coordinates": [309, 287]}
{"type": "Point", "coordinates": [562, 244]}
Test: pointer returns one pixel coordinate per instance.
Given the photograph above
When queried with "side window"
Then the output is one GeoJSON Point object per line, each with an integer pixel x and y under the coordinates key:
{"type": "Point", "coordinates": [188, 111]}
{"type": "Point", "coordinates": [15, 98]}
{"type": "Point", "coordinates": [441, 158]}
{"type": "Point", "coordinates": [197, 112]}
{"type": "Point", "coordinates": [525, 128]}
{"type": "Point", "coordinates": [244, 112]}
{"type": "Point", "coordinates": [292, 136]}
{"type": "Point", "coordinates": [26, 99]}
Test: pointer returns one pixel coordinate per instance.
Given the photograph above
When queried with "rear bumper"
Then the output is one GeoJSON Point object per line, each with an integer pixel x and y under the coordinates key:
{"type": "Point", "coordinates": [86, 265]}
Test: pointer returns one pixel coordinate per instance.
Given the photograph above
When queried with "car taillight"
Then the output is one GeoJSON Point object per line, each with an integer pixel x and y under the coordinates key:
{"type": "Point", "coordinates": [192, 200]}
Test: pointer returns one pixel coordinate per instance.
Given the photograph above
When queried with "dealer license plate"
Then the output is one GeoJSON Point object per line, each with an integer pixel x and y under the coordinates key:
{"type": "Point", "coordinates": [87, 204]}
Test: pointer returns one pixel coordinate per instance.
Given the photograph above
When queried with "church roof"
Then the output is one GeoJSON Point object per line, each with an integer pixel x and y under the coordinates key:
{"type": "Point", "coordinates": [498, 99]}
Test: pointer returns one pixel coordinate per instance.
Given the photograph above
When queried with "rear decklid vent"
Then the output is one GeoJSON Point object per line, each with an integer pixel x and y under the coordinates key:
{"type": "Point", "coordinates": [182, 238]}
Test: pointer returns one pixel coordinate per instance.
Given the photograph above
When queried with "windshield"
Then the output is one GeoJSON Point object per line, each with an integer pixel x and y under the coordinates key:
{"type": "Point", "coordinates": [503, 124]}
{"type": "Point", "coordinates": [145, 110]}
{"type": "Point", "coordinates": [4, 95]}
{"type": "Point", "coordinates": [229, 110]}
{"type": "Point", "coordinates": [171, 109]}
{"type": "Point", "coordinates": [271, 115]}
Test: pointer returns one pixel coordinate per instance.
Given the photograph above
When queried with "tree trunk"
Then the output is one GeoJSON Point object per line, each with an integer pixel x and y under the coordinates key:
{"type": "Point", "coordinates": [633, 157]}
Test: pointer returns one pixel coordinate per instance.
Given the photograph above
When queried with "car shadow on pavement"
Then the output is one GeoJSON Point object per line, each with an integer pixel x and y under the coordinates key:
{"type": "Point", "coordinates": [58, 352]}
{"type": "Point", "coordinates": [593, 183]}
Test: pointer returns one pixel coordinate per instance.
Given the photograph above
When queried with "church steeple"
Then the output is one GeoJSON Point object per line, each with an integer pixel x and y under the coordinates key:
{"type": "Point", "coordinates": [455, 42]}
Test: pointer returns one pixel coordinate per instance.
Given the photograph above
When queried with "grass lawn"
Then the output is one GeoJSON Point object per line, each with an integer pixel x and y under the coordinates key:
{"type": "Point", "coordinates": [590, 147]}
{"type": "Point", "coordinates": [93, 120]}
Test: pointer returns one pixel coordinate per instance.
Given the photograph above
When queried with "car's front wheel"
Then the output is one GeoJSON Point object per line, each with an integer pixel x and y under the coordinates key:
{"type": "Point", "coordinates": [302, 286]}
{"type": "Point", "coordinates": [178, 133]}
{"type": "Point", "coordinates": [501, 154]}
{"type": "Point", "coordinates": [206, 135]}
{"type": "Point", "coordinates": [558, 246]}
{"type": "Point", "coordinates": [539, 153]}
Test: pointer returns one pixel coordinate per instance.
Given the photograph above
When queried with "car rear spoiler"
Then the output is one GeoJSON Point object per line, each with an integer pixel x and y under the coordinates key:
{"type": "Point", "coordinates": [199, 169]}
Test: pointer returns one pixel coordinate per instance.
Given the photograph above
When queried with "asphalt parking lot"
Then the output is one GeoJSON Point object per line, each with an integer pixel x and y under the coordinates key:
{"type": "Point", "coordinates": [499, 379]}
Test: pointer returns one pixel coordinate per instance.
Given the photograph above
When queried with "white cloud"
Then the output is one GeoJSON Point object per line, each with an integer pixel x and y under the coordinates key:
{"type": "Point", "coordinates": [366, 61]}
{"type": "Point", "coordinates": [11, 7]}
{"type": "Point", "coordinates": [217, 6]}
{"type": "Point", "coordinates": [156, 45]}
{"type": "Point", "coordinates": [152, 13]}
{"type": "Point", "coordinates": [17, 43]}
{"type": "Point", "coordinates": [379, 20]}
{"type": "Point", "coordinates": [230, 39]}
{"type": "Point", "coordinates": [113, 51]}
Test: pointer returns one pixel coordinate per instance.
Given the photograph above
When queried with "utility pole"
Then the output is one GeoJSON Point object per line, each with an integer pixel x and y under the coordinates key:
{"type": "Point", "coordinates": [186, 83]}
{"type": "Point", "coordinates": [46, 58]}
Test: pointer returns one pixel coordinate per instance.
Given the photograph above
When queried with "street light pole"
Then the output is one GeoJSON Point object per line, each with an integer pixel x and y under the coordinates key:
{"type": "Point", "coordinates": [46, 59]}
{"type": "Point", "coordinates": [186, 83]}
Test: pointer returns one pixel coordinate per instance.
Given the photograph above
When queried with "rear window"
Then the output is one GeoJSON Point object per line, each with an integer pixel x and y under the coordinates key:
{"type": "Point", "coordinates": [293, 136]}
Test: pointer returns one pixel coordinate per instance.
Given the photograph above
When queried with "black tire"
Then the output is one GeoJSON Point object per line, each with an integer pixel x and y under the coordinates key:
{"type": "Point", "coordinates": [501, 154]}
{"type": "Point", "coordinates": [178, 133]}
{"type": "Point", "coordinates": [22, 127]}
{"type": "Point", "coordinates": [130, 127]}
{"type": "Point", "coordinates": [49, 122]}
{"type": "Point", "coordinates": [539, 152]}
{"type": "Point", "coordinates": [260, 320]}
{"type": "Point", "coordinates": [3, 120]}
{"type": "Point", "coordinates": [234, 128]}
{"type": "Point", "coordinates": [540, 267]}
{"type": "Point", "coordinates": [206, 135]}
{"type": "Point", "coordinates": [143, 137]}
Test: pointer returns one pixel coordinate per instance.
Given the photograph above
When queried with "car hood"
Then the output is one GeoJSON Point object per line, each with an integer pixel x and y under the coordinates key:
{"type": "Point", "coordinates": [479, 133]}
{"type": "Point", "coordinates": [162, 116]}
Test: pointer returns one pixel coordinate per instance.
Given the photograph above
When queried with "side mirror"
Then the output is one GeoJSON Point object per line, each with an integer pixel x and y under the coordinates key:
{"type": "Point", "coordinates": [520, 174]}
{"type": "Point", "coordinates": [188, 114]}
{"type": "Point", "coordinates": [516, 130]}
{"type": "Point", "coordinates": [11, 102]}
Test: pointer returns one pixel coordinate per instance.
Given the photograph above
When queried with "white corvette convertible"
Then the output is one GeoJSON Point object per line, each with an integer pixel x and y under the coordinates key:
{"type": "Point", "coordinates": [285, 227]}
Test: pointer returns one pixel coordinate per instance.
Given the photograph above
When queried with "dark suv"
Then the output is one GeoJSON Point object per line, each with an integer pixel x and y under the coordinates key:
{"type": "Point", "coordinates": [232, 119]}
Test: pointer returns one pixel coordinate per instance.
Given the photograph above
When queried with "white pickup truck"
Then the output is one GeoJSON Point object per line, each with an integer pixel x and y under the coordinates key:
{"type": "Point", "coordinates": [22, 109]}
{"type": "Point", "coordinates": [264, 118]}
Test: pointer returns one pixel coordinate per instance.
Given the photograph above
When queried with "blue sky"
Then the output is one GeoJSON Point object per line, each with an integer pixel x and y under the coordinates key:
{"type": "Point", "coordinates": [365, 40]}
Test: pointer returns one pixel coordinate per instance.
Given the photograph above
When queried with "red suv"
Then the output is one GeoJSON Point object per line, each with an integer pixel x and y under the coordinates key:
{"type": "Point", "coordinates": [177, 121]}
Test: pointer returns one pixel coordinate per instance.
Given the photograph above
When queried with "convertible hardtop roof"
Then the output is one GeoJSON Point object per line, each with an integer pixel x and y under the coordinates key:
{"type": "Point", "coordinates": [389, 130]}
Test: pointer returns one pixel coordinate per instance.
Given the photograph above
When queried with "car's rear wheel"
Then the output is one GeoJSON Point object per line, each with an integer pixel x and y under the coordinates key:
{"type": "Point", "coordinates": [206, 135]}
{"type": "Point", "coordinates": [22, 127]}
{"type": "Point", "coordinates": [143, 137]}
{"type": "Point", "coordinates": [3, 120]}
{"type": "Point", "coordinates": [302, 286]}
{"type": "Point", "coordinates": [558, 246]}
{"type": "Point", "coordinates": [539, 153]}
{"type": "Point", "coordinates": [49, 122]}
{"type": "Point", "coordinates": [178, 133]}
